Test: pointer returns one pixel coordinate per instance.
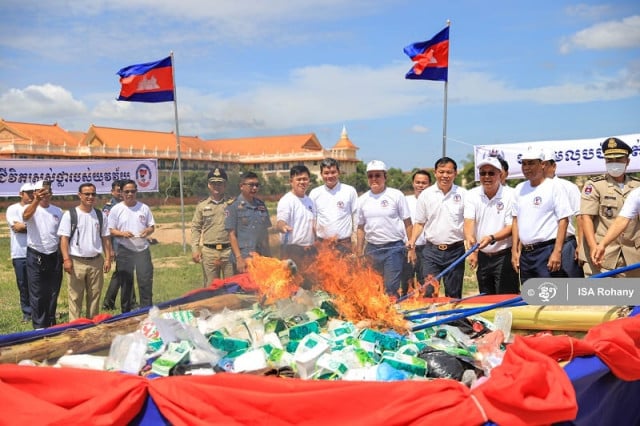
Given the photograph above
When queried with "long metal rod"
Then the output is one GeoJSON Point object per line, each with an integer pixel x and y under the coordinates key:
{"type": "Point", "coordinates": [175, 110]}
{"type": "Point", "coordinates": [446, 270]}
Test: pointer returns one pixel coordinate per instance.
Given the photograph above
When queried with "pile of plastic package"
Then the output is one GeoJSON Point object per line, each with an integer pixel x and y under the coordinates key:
{"type": "Point", "coordinates": [301, 337]}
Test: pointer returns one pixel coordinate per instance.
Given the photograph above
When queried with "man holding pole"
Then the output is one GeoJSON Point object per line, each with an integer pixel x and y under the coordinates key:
{"type": "Point", "coordinates": [440, 213]}
{"type": "Point", "coordinates": [487, 221]}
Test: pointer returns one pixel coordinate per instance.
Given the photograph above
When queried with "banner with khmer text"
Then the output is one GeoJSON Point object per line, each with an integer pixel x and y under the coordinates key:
{"type": "Point", "coordinates": [67, 175]}
{"type": "Point", "coordinates": [574, 157]}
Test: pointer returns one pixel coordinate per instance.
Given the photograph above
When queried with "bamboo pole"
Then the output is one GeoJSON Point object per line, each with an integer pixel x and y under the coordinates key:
{"type": "Point", "coordinates": [99, 338]}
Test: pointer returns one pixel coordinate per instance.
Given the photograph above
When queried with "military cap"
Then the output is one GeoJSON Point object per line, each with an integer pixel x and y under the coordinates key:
{"type": "Point", "coordinates": [217, 175]}
{"type": "Point", "coordinates": [615, 148]}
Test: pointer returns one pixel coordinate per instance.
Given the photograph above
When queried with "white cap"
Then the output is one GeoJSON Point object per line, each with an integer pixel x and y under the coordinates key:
{"type": "Point", "coordinates": [26, 187]}
{"type": "Point", "coordinates": [38, 185]}
{"type": "Point", "coordinates": [376, 165]}
{"type": "Point", "coordinates": [549, 154]}
{"type": "Point", "coordinates": [490, 161]}
{"type": "Point", "coordinates": [532, 154]}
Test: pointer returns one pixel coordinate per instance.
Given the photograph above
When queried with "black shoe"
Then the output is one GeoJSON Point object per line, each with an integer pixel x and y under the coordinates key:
{"type": "Point", "coordinates": [26, 318]}
{"type": "Point", "coordinates": [108, 307]}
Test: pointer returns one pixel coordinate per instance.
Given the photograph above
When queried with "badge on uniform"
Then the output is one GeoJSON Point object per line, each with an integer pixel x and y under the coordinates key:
{"type": "Point", "coordinates": [587, 189]}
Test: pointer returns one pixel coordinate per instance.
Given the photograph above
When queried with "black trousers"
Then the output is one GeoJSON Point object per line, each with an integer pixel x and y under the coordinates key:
{"type": "Point", "coordinates": [44, 274]}
{"type": "Point", "coordinates": [128, 262]}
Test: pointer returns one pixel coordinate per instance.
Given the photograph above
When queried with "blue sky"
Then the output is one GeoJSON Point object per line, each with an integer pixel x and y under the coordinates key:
{"type": "Point", "coordinates": [518, 71]}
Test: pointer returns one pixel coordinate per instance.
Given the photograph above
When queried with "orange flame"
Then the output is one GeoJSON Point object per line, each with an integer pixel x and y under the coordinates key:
{"type": "Point", "coordinates": [357, 290]}
{"type": "Point", "coordinates": [274, 279]}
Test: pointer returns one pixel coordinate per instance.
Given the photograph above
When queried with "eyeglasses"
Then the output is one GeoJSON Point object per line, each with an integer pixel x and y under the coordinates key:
{"type": "Point", "coordinates": [491, 173]}
{"type": "Point", "coordinates": [375, 175]}
{"type": "Point", "coordinates": [89, 194]}
{"type": "Point", "coordinates": [130, 191]}
{"type": "Point", "coordinates": [252, 184]}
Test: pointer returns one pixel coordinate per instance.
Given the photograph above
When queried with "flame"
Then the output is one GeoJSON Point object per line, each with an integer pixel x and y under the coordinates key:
{"type": "Point", "coordinates": [274, 278]}
{"type": "Point", "coordinates": [357, 290]}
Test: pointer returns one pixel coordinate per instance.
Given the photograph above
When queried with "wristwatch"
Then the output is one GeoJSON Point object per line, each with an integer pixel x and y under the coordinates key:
{"type": "Point", "coordinates": [493, 239]}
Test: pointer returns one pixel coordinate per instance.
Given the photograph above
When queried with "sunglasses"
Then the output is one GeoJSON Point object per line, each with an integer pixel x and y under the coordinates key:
{"type": "Point", "coordinates": [375, 175]}
{"type": "Point", "coordinates": [488, 173]}
{"type": "Point", "coordinates": [253, 185]}
{"type": "Point", "coordinates": [89, 194]}
{"type": "Point", "coordinates": [130, 191]}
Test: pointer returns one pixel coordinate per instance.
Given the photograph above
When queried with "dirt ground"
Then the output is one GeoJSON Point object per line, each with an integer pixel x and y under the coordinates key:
{"type": "Point", "coordinates": [167, 233]}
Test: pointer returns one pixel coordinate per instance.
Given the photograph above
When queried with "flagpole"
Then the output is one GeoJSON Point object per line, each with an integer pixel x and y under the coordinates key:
{"type": "Point", "coordinates": [175, 109]}
{"type": "Point", "coordinates": [446, 95]}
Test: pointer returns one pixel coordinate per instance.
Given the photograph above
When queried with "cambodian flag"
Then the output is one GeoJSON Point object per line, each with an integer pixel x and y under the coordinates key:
{"type": "Point", "coordinates": [150, 82]}
{"type": "Point", "coordinates": [431, 58]}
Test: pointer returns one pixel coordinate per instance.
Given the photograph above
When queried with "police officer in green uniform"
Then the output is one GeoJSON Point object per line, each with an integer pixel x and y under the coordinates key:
{"type": "Point", "coordinates": [210, 244]}
{"type": "Point", "coordinates": [602, 198]}
{"type": "Point", "coordinates": [248, 222]}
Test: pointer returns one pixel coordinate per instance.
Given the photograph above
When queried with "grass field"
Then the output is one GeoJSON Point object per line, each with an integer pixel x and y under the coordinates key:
{"type": "Point", "coordinates": [174, 274]}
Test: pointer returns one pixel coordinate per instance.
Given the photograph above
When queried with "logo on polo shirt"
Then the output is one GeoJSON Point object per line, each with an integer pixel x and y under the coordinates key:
{"type": "Point", "coordinates": [457, 198]}
{"type": "Point", "coordinates": [341, 205]}
{"type": "Point", "coordinates": [384, 203]}
{"type": "Point", "coordinates": [537, 201]}
{"type": "Point", "coordinates": [500, 206]}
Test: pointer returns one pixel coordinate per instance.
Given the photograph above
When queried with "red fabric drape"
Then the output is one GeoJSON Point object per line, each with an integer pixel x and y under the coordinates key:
{"type": "Point", "coordinates": [616, 343]}
{"type": "Point", "coordinates": [55, 396]}
{"type": "Point", "coordinates": [528, 388]}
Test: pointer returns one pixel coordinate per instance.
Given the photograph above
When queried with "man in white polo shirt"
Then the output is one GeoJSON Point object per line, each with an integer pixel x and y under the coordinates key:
{"type": "Point", "coordinates": [420, 180]}
{"type": "Point", "coordinates": [44, 263]}
{"type": "Point", "coordinates": [540, 218]}
{"type": "Point", "coordinates": [81, 250]}
{"type": "Point", "coordinates": [384, 221]}
{"type": "Point", "coordinates": [439, 212]}
{"type": "Point", "coordinates": [487, 221]}
{"type": "Point", "coordinates": [18, 237]}
{"type": "Point", "coordinates": [335, 206]}
{"type": "Point", "coordinates": [296, 220]}
{"type": "Point", "coordinates": [570, 249]}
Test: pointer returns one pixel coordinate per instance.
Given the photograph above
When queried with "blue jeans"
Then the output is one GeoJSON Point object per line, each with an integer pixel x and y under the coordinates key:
{"type": "Point", "coordinates": [389, 260]}
{"type": "Point", "coordinates": [129, 261]}
{"type": "Point", "coordinates": [44, 274]}
{"type": "Point", "coordinates": [435, 261]}
{"type": "Point", "coordinates": [20, 268]}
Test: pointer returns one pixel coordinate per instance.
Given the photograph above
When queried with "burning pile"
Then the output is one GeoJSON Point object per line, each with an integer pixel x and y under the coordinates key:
{"type": "Point", "coordinates": [356, 289]}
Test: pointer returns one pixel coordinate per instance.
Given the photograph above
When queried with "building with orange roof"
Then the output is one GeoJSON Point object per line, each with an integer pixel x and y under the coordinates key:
{"type": "Point", "coordinates": [270, 155]}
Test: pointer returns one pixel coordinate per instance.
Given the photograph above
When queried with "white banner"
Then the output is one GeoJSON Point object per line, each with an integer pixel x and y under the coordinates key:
{"type": "Point", "coordinates": [573, 157]}
{"type": "Point", "coordinates": [67, 175]}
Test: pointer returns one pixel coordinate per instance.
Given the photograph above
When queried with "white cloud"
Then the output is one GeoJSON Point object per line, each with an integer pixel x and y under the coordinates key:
{"type": "Point", "coordinates": [605, 35]}
{"type": "Point", "coordinates": [309, 96]}
{"type": "Point", "coordinates": [417, 128]}
{"type": "Point", "coordinates": [36, 101]}
{"type": "Point", "coordinates": [587, 11]}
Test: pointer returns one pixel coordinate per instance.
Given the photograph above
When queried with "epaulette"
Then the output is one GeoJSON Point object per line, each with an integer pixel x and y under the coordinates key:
{"type": "Point", "coordinates": [634, 178]}
{"type": "Point", "coordinates": [598, 178]}
{"type": "Point", "coordinates": [230, 201]}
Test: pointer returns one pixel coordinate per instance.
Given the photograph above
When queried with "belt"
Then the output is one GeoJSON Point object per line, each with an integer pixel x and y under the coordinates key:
{"type": "Point", "coordinates": [498, 253]}
{"type": "Point", "coordinates": [55, 253]}
{"type": "Point", "coordinates": [342, 240]}
{"type": "Point", "coordinates": [570, 238]}
{"type": "Point", "coordinates": [86, 258]}
{"type": "Point", "coordinates": [446, 247]}
{"type": "Point", "coordinates": [535, 246]}
{"type": "Point", "coordinates": [218, 246]}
